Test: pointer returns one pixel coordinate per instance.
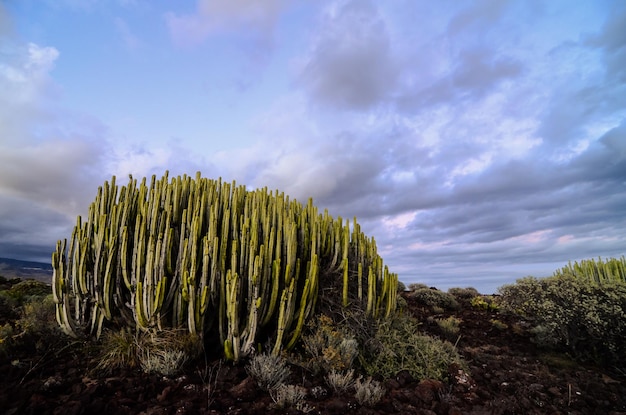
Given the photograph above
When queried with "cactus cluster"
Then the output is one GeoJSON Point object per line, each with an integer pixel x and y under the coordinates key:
{"type": "Point", "coordinates": [596, 271]}
{"type": "Point", "coordinates": [214, 258]}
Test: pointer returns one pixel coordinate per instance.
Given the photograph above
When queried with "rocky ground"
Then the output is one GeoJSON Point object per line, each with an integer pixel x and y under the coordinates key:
{"type": "Point", "coordinates": [507, 375]}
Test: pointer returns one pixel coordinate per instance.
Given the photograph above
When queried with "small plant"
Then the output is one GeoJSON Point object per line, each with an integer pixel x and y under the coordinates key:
{"type": "Point", "coordinates": [483, 302]}
{"type": "Point", "coordinates": [6, 339]}
{"type": "Point", "coordinates": [327, 347]}
{"type": "Point", "coordinates": [368, 392]}
{"type": "Point", "coordinates": [118, 350]}
{"type": "Point", "coordinates": [340, 382]}
{"type": "Point", "coordinates": [8, 306]}
{"type": "Point", "coordinates": [499, 325]}
{"type": "Point", "coordinates": [37, 316]}
{"type": "Point", "coordinates": [290, 396]}
{"type": "Point", "coordinates": [29, 326]}
{"type": "Point", "coordinates": [163, 352]}
{"type": "Point", "coordinates": [166, 351]}
{"type": "Point", "coordinates": [397, 346]}
{"type": "Point", "coordinates": [463, 294]}
{"type": "Point", "coordinates": [417, 286]}
{"type": "Point", "coordinates": [449, 327]}
{"type": "Point", "coordinates": [163, 362]}
{"type": "Point", "coordinates": [435, 298]}
{"type": "Point", "coordinates": [209, 375]}
{"type": "Point", "coordinates": [269, 371]}
{"type": "Point", "coordinates": [438, 310]}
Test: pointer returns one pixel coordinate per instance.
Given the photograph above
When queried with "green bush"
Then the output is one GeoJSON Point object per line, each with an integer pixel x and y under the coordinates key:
{"type": "Point", "coordinates": [397, 345]}
{"type": "Point", "coordinates": [435, 298]}
{"type": "Point", "coordinates": [8, 307]}
{"type": "Point", "coordinates": [484, 302]}
{"type": "Point", "coordinates": [587, 319]}
{"type": "Point", "coordinates": [327, 347]}
{"type": "Point", "coordinates": [450, 327]}
{"type": "Point", "coordinates": [119, 349]}
{"type": "Point", "coordinates": [6, 339]}
{"type": "Point", "coordinates": [37, 316]}
{"type": "Point", "coordinates": [30, 326]}
{"type": "Point", "coordinates": [463, 294]}
{"type": "Point", "coordinates": [22, 291]}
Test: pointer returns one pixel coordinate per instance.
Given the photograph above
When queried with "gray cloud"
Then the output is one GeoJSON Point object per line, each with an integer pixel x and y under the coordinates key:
{"type": "Point", "coordinates": [351, 65]}
{"type": "Point", "coordinates": [45, 164]}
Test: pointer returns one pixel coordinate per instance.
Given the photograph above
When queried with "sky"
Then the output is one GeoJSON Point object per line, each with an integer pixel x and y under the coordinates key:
{"type": "Point", "coordinates": [478, 141]}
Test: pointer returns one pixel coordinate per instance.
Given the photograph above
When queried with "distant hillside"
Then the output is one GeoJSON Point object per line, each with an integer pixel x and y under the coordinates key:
{"type": "Point", "coordinates": [14, 268]}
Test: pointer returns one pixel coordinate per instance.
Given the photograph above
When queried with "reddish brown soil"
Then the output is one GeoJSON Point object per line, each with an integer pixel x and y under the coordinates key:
{"type": "Point", "coordinates": [508, 375]}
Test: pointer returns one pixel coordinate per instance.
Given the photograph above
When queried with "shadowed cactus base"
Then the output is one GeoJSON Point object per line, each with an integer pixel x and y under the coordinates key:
{"type": "Point", "coordinates": [231, 265]}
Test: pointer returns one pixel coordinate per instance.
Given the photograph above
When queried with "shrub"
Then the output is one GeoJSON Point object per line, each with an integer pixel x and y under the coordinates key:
{"type": "Point", "coordinates": [368, 392]}
{"type": "Point", "coordinates": [328, 347]}
{"type": "Point", "coordinates": [290, 396]}
{"type": "Point", "coordinates": [163, 352]}
{"type": "Point", "coordinates": [483, 302]}
{"type": "Point", "coordinates": [435, 298]}
{"type": "Point", "coordinates": [37, 316]}
{"type": "Point", "coordinates": [586, 318]}
{"type": "Point", "coordinates": [449, 327]}
{"type": "Point", "coordinates": [398, 346]}
{"type": "Point", "coordinates": [463, 294]}
{"type": "Point", "coordinates": [416, 286]}
{"type": "Point", "coordinates": [166, 351]}
{"type": "Point", "coordinates": [340, 382]}
{"type": "Point", "coordinates": [162, 361]}
{"type": "Point", "coordinates": [29, 288]}
{"type": "Point", "coordinates": [497, 324]}
{"type": "Point", "coordinates": [8, 307]}
{"type": "Point", "coordinates": [119, 349]}
{"type": "Point", "coordinates": [30, 327]}
{"type": "Point", "coordinates": [269, 371]}
{"type": "Point", "coordinates": [6, 339]}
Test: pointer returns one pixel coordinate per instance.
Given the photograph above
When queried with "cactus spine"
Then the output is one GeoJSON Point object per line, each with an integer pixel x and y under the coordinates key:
{"type": "Point", "coordinates": [213, 258]}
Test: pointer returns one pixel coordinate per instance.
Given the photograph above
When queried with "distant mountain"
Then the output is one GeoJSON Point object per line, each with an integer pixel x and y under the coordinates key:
{"type": "Point", "coordinates": [15, 268]}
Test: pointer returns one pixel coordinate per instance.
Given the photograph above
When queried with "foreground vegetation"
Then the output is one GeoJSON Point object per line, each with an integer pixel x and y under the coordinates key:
{"type": "Point", "coordinates": [353, 357]}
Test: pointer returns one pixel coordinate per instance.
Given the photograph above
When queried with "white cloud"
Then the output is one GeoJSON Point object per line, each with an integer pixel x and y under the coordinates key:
{"type": "Point", "coordinates": [213, 16]}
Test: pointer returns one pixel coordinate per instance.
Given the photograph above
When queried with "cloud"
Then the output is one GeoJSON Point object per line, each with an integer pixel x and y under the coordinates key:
{"type": "Point", "coordinates": [615, 141]}
{"type": "Point", "coordinates": [47, 156]}
{"type": "Point", "coordinates": [612, 40]}
{"type": "Point", "coordinates": [215, 16]}
{"type": "Point", "coordinates": [146, 159]}
{"type": "Point", "coordinates": [351, 64]}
